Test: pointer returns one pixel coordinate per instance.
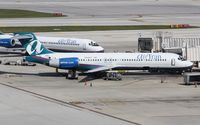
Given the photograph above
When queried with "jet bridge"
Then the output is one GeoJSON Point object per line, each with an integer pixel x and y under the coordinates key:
{"type": "Point", "coordinates": [145, 44]}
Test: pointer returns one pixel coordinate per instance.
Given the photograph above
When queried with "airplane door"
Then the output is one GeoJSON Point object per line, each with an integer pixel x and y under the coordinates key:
{"type": "Point", "coordinates": [173, 62]}
{"type": "Point", "coordinates": [84, 46]}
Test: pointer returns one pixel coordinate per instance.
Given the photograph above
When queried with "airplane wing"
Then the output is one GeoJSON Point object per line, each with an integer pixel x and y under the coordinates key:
{"type": "Point", "coordinates": [100, 69]}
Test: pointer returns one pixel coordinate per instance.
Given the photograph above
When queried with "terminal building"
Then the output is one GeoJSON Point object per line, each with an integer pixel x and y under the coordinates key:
{"type": "Point", "coordinates": [186, 46]}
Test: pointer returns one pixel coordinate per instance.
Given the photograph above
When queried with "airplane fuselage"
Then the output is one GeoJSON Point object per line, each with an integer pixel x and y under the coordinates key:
{"type": "Point", "coordinates": [118, 61]}
{"type": "Point", "coordinates": [57, 44]}
{"type": "Point", "coordinates": [61, 44]}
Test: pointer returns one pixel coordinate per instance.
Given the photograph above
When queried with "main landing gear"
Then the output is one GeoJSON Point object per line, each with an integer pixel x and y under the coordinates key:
{"type": "Point", "coordinates": [72, 74]}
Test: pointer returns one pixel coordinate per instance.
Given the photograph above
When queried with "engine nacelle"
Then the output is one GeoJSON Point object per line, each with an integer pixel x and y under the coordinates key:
{"type": "Point", "coordinates": [7, 42]}
{"type": "Point", "coordinates": [64, 63]}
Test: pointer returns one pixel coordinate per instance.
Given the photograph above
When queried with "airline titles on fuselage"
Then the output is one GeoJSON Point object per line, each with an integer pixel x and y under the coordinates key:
{"type": "Point", "coordinates": [153, 57]}
{"type": "Point", "coordinates": [63, 42]}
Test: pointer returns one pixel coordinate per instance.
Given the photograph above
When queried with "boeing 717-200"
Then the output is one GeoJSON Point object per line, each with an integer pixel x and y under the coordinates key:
{"type": "Point", "coordinates": [101, 62]}
{"type": "Point", "coordinates": [58, 44]}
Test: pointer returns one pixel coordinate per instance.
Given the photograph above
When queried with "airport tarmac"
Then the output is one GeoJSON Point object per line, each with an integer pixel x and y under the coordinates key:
{"type": "Point", "coordinates": [140, 98]}
{"type": "Point", "coordinates": [37, 95]}
{"type": "Point", "coordinates": [23, 108]}
{"type": "Point", "coordinates": [106, 12]}
{"type": "Point", "coordinates": [120, 40]}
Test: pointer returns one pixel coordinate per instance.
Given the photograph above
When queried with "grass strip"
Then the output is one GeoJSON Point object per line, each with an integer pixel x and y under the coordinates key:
{"type": "Point", "coordinates": [16, 13]}
{"type": "Point", "coordinates": [82, 28]}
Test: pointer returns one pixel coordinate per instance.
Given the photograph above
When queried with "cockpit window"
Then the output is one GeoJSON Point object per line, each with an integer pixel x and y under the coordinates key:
{"type": "Point", "coordinates": [181, 58]}
{"type": "Point", "coordinates": [93, 44]}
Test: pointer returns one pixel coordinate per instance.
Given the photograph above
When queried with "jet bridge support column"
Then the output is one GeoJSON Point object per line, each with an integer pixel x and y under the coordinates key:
{"type": "Point", "coordinates": [56, 70]}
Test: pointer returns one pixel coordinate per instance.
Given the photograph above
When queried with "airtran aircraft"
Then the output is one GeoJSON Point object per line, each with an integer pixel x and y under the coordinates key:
{"type": "Point", "coordinates": [61, 44]}
{"type": "Point", "coordinates": [58, 44]}
{"type": "Point", "coordinates": [101, 62]}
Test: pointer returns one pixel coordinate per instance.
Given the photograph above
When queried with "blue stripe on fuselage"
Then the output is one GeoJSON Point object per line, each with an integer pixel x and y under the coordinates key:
{"type": "Point", "coordinates": [36, 59]}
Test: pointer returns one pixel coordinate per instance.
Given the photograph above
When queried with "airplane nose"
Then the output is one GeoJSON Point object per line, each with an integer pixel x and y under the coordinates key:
{"type": "Point", "coordinates": [101, 49]}
{"type": "Point", "coordinates": [190, 64]}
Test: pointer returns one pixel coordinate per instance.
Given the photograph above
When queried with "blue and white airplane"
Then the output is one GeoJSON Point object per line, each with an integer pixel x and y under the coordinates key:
{"type": "Point", "coordinates": [101, 62]}
{"type": "Point", "coordinates": [7, 40]}
{"type": "Point", "coordinates": [58, 44]}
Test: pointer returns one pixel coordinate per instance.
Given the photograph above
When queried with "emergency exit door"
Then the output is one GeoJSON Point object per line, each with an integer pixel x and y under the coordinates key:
{"type": "Point", "coordinates": [84, 46]}
{"type": "Point", "coordinates": [173, 63]}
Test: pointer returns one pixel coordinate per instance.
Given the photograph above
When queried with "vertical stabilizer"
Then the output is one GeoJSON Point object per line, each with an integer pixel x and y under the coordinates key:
{"type": "Point", "coordinates": [32, 45]}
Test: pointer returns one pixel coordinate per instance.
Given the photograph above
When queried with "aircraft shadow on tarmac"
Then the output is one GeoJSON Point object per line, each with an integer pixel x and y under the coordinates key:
{"type": "Point", "coordinates": [44, 74]}
{"type": "Point", "coordinates": [50, 74]}
{"type": "Point", "coordinates": [88, 77]}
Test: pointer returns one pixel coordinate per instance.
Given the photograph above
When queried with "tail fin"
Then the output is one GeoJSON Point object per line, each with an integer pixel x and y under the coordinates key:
{"type": "Point", "coordinates": [32, 44]}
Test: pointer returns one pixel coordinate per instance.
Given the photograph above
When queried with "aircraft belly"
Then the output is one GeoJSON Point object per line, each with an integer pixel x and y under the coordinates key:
{"type": "Point", "coordinates": [85, 67]}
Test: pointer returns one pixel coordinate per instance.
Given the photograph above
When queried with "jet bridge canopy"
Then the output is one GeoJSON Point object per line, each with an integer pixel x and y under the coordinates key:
{"type": "Point", "coordinates": [145, 44]}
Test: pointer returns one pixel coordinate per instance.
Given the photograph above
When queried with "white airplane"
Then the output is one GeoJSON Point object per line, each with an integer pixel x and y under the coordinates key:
{"type": "Point", "coordinates": [101, 62]}
{"type": "Point", "coordinates": [61, 44]}
{"type": "Point", "coordinates": [57, 44]}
